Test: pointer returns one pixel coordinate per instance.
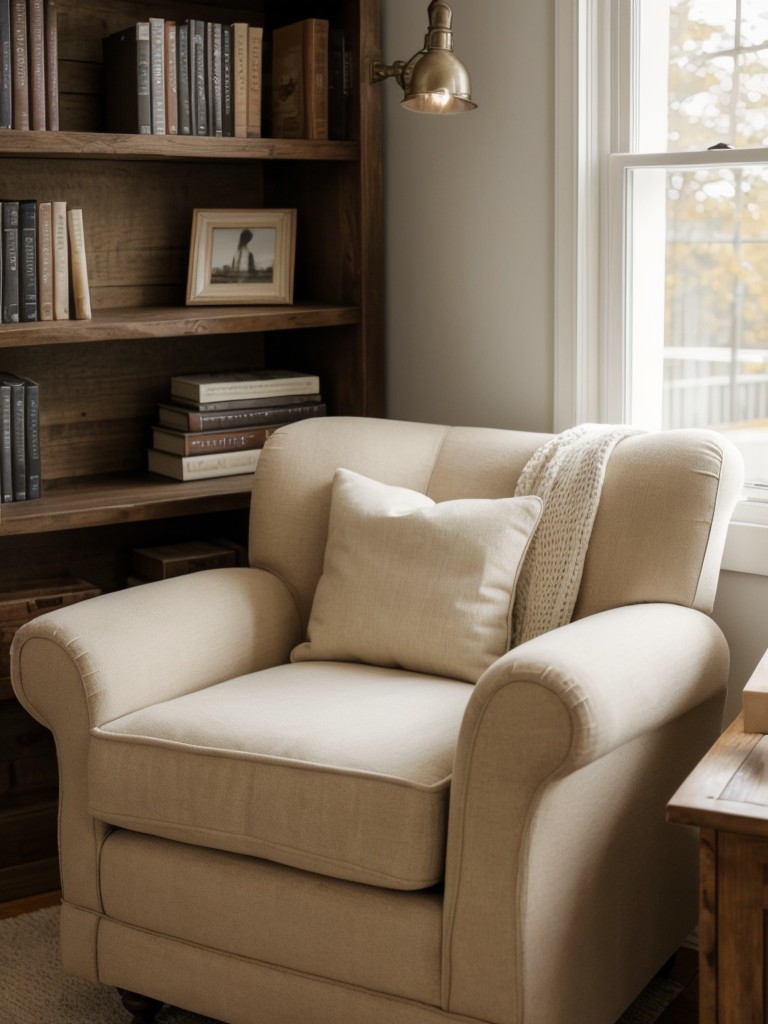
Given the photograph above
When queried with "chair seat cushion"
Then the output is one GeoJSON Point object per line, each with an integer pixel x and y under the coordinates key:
{"type": "Point", "coordinates": [340, 769]}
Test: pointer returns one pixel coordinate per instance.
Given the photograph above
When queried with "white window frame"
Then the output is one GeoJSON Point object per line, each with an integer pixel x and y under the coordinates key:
{"type": "Point", "coordinates": [593, 61]}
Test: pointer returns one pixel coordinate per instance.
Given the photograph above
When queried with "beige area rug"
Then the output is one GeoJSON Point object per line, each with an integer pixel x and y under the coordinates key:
{"type": "Point", "coordinates": [34, 989]}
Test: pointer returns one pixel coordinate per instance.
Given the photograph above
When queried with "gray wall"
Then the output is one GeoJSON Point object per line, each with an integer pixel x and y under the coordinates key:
{"type": "Point", "coordinates": [468, 206]}
{"type": "Point", "coordinates": [470, 253]}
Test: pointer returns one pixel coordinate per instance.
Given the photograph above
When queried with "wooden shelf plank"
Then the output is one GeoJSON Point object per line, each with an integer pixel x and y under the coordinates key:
{"type": "Point", "coordinates": [131, 323]}
{"type": "Point", "coordinates": [105, 146]}
{"type": "Point", "coordinates": [103, 501]}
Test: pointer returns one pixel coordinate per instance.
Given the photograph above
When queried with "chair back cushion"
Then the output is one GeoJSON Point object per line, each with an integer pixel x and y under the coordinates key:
{"type": "Point", "coordinates": [658, 536]}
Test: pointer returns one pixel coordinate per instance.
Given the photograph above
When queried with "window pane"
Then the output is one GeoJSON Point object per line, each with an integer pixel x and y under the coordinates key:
{"type": "Point", "coordinates": [718, 73]}
{"type": "Point", "coordinates": [715, 371]}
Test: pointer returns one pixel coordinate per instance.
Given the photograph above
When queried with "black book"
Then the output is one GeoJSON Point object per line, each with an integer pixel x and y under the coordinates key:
{"type": "Point", "coordinates": [6, 76]}
{"type": "Point", "coordinates": [6, 472]}
{"type": "Point", "coordinates": [227, 95]}
{"type": "Point", "coordinates": [10, 261]}
{"type": "Point", "coordinates": [127, 80]}
{"type": "Point", "coordinates": [28, 307]}
{"type": "Point", "coordinates": [32, 437]}
{"type": "Point", "coordinates": [182, 78]}
{"type": "Point", "coordinates": [18, 436]}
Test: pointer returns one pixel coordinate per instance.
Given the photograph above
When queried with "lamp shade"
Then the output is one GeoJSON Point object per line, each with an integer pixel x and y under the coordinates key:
{"type": "Point", "coordinates": [438, 84]}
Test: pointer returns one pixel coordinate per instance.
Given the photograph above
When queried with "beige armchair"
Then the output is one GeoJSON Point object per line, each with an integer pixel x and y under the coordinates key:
{"type": "Point", "coordinates": [319, 791]}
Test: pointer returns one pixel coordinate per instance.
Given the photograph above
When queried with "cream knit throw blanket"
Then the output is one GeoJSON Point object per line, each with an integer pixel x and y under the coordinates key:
{"type": "Point", "coordinates": [567, 473]}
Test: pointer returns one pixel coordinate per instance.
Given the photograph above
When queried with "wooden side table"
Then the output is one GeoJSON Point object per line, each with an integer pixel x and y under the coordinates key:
{"type": "Point", "coordinates": [726, 797]}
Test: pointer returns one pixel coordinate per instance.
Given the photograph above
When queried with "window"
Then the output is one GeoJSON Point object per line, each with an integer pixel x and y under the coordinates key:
{"type": "Point", "coordinates": [663, 240]}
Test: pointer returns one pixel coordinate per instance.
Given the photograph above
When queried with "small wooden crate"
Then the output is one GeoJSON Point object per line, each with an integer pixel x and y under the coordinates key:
{"type": "Point", "coordinates": [27, 602]}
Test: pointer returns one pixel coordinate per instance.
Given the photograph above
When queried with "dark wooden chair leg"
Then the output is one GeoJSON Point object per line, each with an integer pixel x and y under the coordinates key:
{"type": "Point", "coordinates": [143, 1008]}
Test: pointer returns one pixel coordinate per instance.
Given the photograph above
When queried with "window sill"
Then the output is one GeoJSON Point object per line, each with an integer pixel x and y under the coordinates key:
{"type": "Point", "coordinates": [746, 548]}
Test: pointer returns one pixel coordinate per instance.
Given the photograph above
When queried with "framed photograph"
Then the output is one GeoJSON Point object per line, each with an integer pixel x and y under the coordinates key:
{"type": "Point", "coordinates": [239, 257]}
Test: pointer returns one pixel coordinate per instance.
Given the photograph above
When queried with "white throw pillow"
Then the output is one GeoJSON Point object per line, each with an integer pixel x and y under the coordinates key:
{"type": "Point", "coordinates": [414, 584]}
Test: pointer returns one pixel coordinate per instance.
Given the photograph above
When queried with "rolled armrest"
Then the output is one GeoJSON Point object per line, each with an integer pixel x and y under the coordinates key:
{"type": "Point", "coordinates": [540, 713]}
{"type": "Point", "coordinates": [87, 664]}
{"type": "Point", "coordinates": [151, 643]}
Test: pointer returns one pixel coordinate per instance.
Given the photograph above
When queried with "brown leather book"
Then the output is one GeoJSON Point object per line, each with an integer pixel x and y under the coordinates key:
{"type": "Point", "coordinates": [19, 64]}
{"type": "Point", "coordinates": [36, 65]}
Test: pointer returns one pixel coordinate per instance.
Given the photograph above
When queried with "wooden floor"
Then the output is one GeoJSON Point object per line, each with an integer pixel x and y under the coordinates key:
{"type": "Point", "coordinates": [683, 969]}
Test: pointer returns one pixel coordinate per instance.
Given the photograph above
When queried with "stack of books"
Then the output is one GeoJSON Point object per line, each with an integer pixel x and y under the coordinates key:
{"type": "Point", "coordinates": [19, 438]}
{"type": "Point", "coordinates": [191, 77]}
{"type": "Point", "coordinates": [43, 250]}
{"type": "Point", "coordinates": [29, 70]}
{"type": "Point", "coordinates": [215, 424]}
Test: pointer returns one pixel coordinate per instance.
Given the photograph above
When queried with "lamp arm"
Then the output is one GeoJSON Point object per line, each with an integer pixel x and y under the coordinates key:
{"type": "Point", "coordinates": [401, 70]}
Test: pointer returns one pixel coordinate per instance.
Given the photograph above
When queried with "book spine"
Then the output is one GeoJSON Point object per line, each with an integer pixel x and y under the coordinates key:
{"type": "Point", "coordinates": [217, 83]}
{"type": "Point", "coordinates": [190, 420]}
{"type": "Point", "coordinates": [240, 79]}
{"type": "Point", "coordinates": [208, 74]}
{"type": "Point", "coordinates": [171, 83]}
{"type": "Point", "coordinates": [157, 74]}
{"type": "Point", "coordinates": [32, 438]}
{"type": "Point", "coordinates": [45, 260]}
{"type": "Point", "coordinates": [80, 289]}
{"type": "Point", "coordinates": [255, 79]}
{"type": "Point", "coordinates": [6, 72]}
{"type": "Point", "coordinates": [198, 78]}
{"type": "Point", "coordinates": [6, 460]}
{"type": "Point", "coordinates": [201, 467]}
{"type": "Point", "coordinates": [143, 78]}
{"type": "Point", "coordinates": [18, 442]}
{"type": "Point", "coordinates": [36, 59]}
{"type": "Point", "coordinates": [20, 72]}
{"type": "Point", "coordinates": [10, 262]}
{"type": "Point", "coordinates": [28, 310]}
{"type": "Point", "coordinates": [51, 66]}
{"type": "Point", "coordinates": [60, 261]}
{"type": "Point", "coordinates": [203, 443]}
{"type": "Point", "coordinates": [316, 78]}
{"type": "Point", "coordinates": [182, 78]}
{"type": "Point", "coordinates": [227, 114]}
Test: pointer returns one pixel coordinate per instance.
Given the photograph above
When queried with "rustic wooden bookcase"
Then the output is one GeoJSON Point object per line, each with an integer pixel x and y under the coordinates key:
{"type": "Point", "coordinates": [100, 380]}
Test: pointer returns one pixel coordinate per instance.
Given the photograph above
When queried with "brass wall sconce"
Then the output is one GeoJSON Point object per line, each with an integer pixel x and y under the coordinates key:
{"type": "Point", "coordinates": [434, 80]}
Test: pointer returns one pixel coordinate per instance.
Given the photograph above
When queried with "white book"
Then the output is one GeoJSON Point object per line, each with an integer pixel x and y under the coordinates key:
{"type": "Point", "coordinates": [202, 467]}
{"type": "Point", "coordinates": [80, 290]}
{"type": "Point", "coordinates": [228, 385]}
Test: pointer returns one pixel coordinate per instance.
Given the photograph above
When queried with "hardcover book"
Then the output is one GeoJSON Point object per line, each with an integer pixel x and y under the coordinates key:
{"type": "Point", "coordinates": [32, 438]}
{"type": "Point", "coordinates": [51, 66]}
{"type": "Point", "coordinates": [19, 63]}
{"type": "Point", "coordinates": [45, 260]}
{"type": "Point", "coordinates": [216, 79]}
{"type": "Point", "coordinates": [157, 74]}
{"type": "Point", "coordinates": [197, 77]}
{"type": "Point", "coordinates": [28, 310]}
{"type": "Point", "coordinates": [6, 458]}
{"type": "Point", "coordinates": [177, 418]}
{"type": "Point", "coordinates": [80, 289]}
{"type": "Point", "coordinates": [171, 80]}
{"type": "Point", "coordinates": [203, 467]}
{"type": "Point", "coordinates": [60, 261]}
{"type": "Point", "coordinates": [127, 81]}
{"type": "Point", "coordinates": [254, 81]}
{"type": "Point", "coordinates": [300, 80]}
{"type": "Point", "coordinates": [243, 384]}
{"type": "Point", "coordinates": [17, 435]}
{"type": "Point", "coordinates": [36, 57]}
{"type": "Point", "coordinates": [6, 65]}
{"type": "Point", "coordinates": [10, 214]}
{"type": "Point", "coordinates": [227, 112]}
{"type": "Point", "coordinates": [182, 78]}
{"type": "Point", "coordinates": [240, 79]}
{"type": "Point", "coordinates": [204, 442]}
